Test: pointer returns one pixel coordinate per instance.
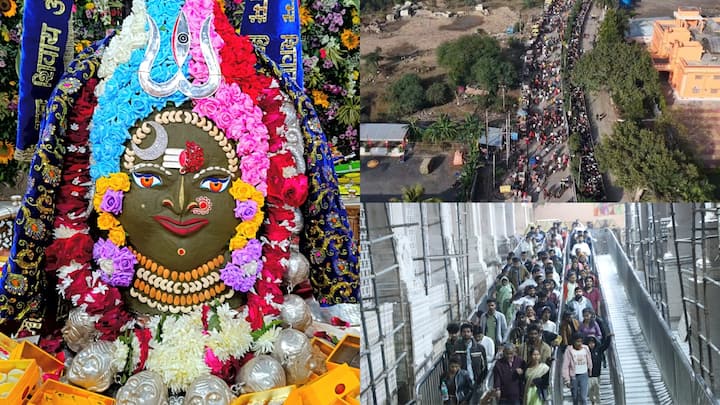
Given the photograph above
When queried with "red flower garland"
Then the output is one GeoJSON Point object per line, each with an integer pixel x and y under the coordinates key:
{"type": "Point", "coordinates": [71, 256]}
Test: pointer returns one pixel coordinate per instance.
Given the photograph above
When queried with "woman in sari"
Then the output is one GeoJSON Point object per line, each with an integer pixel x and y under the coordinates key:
{"type": "Point", "coordinates": [504, 296]}
{"type": "Point", "coordinates": [536, 380]}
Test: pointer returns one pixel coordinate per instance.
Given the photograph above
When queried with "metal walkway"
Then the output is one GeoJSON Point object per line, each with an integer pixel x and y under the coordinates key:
{"type": "Point", "coordinates": [643, 382]}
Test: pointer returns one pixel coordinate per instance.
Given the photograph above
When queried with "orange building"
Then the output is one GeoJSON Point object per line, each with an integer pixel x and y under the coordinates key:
{"type": "Point", "coordinates": [688, 48]}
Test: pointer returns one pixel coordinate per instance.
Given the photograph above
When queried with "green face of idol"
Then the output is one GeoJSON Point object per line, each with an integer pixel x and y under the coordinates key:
{"type": "Point", "coordinates": [180, 220]}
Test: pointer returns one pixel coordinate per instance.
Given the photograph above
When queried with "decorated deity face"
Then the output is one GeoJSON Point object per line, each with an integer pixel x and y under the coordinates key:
{"type": "Point", "coordinates": [144, 388]}
{"type": "Point", "coordinates": [178, 211]}
{"type": "Point", "coordinates": [92, 367]}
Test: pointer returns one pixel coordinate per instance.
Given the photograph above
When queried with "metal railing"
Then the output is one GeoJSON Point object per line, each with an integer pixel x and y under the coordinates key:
{"type": "Point", "coordinates": [427, 390]}
{"type": "Point", "coordinates": [555, 388]}
{"type": "Point", "coordinates": [617, 378]}
{"type": "Point", "coordinates": [685, 386]}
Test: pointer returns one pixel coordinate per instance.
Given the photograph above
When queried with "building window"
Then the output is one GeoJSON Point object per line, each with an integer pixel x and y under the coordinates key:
{"type": "Point", "coordinates": [716, 77]}
{"type": "Point", "coordinates": [698, 77]}
{"type": "Point", "coordinates": [713, 91]}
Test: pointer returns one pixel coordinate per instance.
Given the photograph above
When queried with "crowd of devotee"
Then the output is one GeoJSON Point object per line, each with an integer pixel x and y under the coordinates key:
{"type": "Point", "coordinates": [545, 299]}
{"type": "Point", "coordinates": [544, 126]}
{"type": "Point", "coordinates": [591, 181]}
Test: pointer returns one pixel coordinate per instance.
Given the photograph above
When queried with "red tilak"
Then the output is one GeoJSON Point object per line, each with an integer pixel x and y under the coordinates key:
{"type": "Point", "coordinates": [192, 158]}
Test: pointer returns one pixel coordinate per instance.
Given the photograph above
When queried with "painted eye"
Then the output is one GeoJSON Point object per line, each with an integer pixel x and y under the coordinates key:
{"type": "Point", "coordinates": [215, 184]}
{"type": "Point", "coordinates": [147, 180]}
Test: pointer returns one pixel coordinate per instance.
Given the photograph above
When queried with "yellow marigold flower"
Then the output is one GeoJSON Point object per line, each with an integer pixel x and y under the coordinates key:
{"type": "Point", "coordinates": [117, 235]}
{"type": "Point", "coordinates": [355, 17]}
{"type": "Point", "coordinates": [349, 39]}
{"type": "Point", "coordinates": [241, 190]}
{"type": "Point", "coordinates": [11, 11]}
{"type": "Point", "coordinates": [90, 6]}
{"type": "Point", "coordinates": [7, 150]}
{"type": "Point", "coordinates": [107, 220]}
{"type": "Point", "coordinates": [238, 242]}
{"type": "Point", "coordinates": [305, 16]}
{"type": "Point", "coordinates": [97, 200]}
{"type": "Point", "coordinates": [355, 74]}
{"type": "Point", "coordinates": [119, 181]}
{"type": "Point", "coordinates": [320, 98]}
{"type": "Point", "coordinates": [6, 35]}
{"type": "Point", "coordinates": [258, 198]}
{"type": "Point", "coordinates": [247, 229]}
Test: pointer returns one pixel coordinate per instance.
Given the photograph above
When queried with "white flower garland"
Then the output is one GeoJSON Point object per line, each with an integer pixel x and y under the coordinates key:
{"type": "Point", "coordinates": [132, 36]}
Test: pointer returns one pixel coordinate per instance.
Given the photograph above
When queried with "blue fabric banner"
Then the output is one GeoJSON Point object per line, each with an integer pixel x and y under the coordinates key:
{"type": "Point", "coordinates": [44, 39]}
{"type": "Point", "coordinates": [274, 27]}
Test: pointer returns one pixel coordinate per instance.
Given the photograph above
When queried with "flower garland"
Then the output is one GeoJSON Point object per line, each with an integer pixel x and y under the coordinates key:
{"type": "Point", "coordinates": [210, 340]}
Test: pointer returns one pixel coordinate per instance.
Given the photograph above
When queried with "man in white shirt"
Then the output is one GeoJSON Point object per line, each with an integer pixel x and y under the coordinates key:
{"type": "Point", "coordinates": [486, 343]}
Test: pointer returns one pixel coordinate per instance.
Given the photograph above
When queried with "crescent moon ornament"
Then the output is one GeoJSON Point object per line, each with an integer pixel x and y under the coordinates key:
{"type": "Point", "coordinates": [158, 146]}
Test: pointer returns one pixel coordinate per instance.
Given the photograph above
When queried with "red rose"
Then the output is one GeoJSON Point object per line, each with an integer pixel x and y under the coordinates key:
{"type": "Point", "coordinates": [271, 273]}
{"type": "Point", "coordinates": [323, 53]}
{"type": "Point", "coordinates": [255, 316]}
{"type": "Point", "coordinates": [276, 216]}
{"type": "Point", "coordinates": [277, 233]}
{"type": "Point", "coordinates": [77, 247]}
{"type": "Point", "coordinates": [273, 257]}
{"type": "Point", "coordinates": [109, 325]}
{"type": "Point", "coordinates": [295, 190]}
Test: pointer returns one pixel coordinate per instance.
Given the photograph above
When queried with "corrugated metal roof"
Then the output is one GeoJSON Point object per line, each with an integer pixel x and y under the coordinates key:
{"type": "Point", "coordinates": [712, 44]}
{"type": "Point", "coordinates": [382, 132]}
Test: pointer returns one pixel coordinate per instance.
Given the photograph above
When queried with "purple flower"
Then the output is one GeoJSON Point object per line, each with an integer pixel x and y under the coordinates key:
{"type": "Point", "coordinates": [234, 277]}
{"type": "Point", "coordinates": [251, 252]}
{"type": "Point", "coordinates": [121, 279]}
{"type": "Point", "coordinates": [124, 261]}
{"type": "Point", "coordinates": [104, 249]}
{"type": "Point", "coordinates": [112, 201]}
{"type": "Point", "coordinates": [245, 210]}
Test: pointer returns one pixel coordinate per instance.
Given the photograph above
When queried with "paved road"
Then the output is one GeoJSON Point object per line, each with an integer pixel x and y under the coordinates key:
{"type": "Point", "coordinates": [601, 103]}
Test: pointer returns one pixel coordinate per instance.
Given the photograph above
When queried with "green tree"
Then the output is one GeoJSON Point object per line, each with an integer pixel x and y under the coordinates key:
{"type": "Point", "coordinates": [414, 193]}
{"type": "Point", "coordinates": [414, 131]}
{"type": "Point", "coordinates": [471, 128]}
{"type": "Point", "coordinates": [641, 161]}
{"type": "Point", "coordinates": [438, 93]}
{"type": "Point", "coordinates": [613, 27]}
{"type": "Point", "coordinates": [407, 95]}
{"type": "Point", "coordinates": [625, 70]}
{"type": "Point", "coordinates": [444, 129]}
{"type": "Point", "coordinates": [459, 56]}
{"type": "Point", "coordinates": [372, 59]}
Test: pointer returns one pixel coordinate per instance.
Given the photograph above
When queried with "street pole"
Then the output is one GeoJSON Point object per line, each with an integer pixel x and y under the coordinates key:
{"type": "Point", "coordinates": [487, 144]}
{"type": "Point", "coordinates": [507, 135]}
{"type": "Point", "coordinates": [494, 182]}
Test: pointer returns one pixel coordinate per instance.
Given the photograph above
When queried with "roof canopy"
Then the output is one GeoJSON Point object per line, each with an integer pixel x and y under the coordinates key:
{"type": "Point", "coordinates": [380, 132]}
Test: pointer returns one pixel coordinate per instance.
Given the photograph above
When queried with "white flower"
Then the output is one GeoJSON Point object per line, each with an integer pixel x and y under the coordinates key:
{"type": "Point", "coordinates": [289, 172]}
{"type": "Point", "coordinates": [265, 343]}
{"type": "Point", "coordinates": [107, 266]}
{"type": "Point", "coordinates": [233, 339]}
{"type": "Point", "coordinates": [250, 268]}
{"type": "Point", "coordinates": [132, 36]}
{"type": "Point", "coordinates": [179, 357]}
{"type": "Point", "coordinates": [120, 354]}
